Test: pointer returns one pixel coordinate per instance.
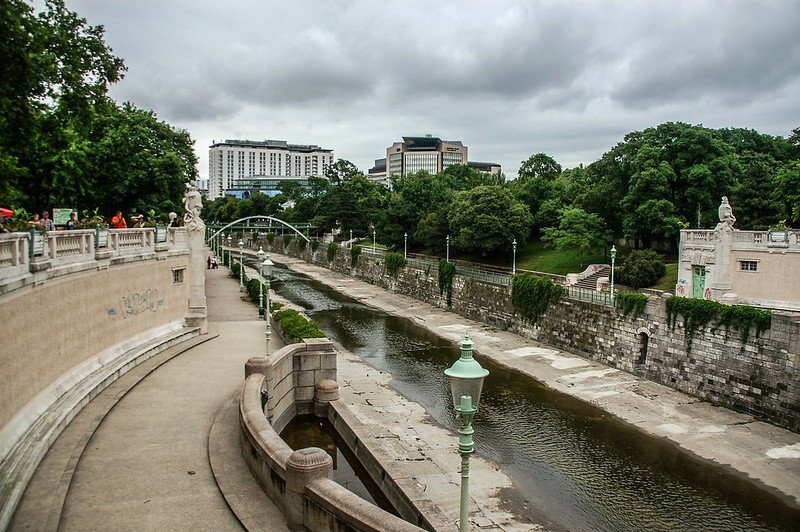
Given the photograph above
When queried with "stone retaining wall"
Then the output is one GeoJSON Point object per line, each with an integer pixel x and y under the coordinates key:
{"type": "Point", "coordinates": [760, 377]}
{"type": "Point", "coordinates": [299, 481]}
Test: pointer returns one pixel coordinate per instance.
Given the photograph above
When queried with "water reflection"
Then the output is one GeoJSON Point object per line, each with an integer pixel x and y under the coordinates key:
{"type": "Point", "coordinates": [581, 468]}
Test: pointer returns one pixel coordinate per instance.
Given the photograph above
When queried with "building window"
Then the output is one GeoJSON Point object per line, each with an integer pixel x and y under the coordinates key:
{"type": "Point", "coordinates": [178, 275]}
{"type": "Point", "coordinates": [748, 265]}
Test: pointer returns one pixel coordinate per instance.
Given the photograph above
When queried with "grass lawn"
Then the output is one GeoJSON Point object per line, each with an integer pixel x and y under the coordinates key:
{"type": "Point", "coordinates": [535, 256]}
{"type": "Point", "coordinates": [670, 279]}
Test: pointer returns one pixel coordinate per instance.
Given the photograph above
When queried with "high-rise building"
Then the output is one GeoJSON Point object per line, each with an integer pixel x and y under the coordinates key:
{"type": "Point", "coordinates": [241, 167]}
{"type": "Point", "coordinates": [427, 153]}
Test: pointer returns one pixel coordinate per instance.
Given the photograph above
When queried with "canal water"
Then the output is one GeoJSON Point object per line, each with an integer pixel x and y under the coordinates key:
{"type": "Point", "coordinates": [569, 460]}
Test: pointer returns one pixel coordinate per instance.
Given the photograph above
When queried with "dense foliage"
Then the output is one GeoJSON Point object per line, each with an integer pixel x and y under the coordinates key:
{"type": "Point", "coordinates": [446, 272]}
{"type": "Point", "coordinates": [355, 252]}
{"type": "Point", "coordinates": [531, 295]}
{"type": "Point", "coordinates": [630, 302]}
{"type": "Point", "coordinates": [393, 262]}
{"type": "Point", "coordinates": [641, 268]}
{"type": "Point", "coordinates": [63, 141]}
{"type": "Point", "coordinates": [294, 325]}
{"type": "Point", "coordinates": [698, 313]}
{"type": "Point", "coordinates": [333, 250]}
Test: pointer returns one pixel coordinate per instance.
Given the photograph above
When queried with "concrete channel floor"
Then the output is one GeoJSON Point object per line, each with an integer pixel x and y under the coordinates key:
{"type": "Point", "coordinates": [147, 464]}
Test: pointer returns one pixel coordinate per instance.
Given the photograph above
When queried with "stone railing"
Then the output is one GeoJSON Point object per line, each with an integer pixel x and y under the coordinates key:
{"type": "Point", "coordinates": [23, 254]}
{"type": "Point", "coordinates": [699, 238]}
{"type": "Point", "coordinates": [300, 379]}
{"type": "Point", "coordinates": [766, 240]}
{"type": "Point", "coordinates": [572, 279]}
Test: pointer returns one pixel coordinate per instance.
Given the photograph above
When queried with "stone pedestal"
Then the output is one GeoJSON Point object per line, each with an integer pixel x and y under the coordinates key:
{"type": "Point", "coordinates": [302, 467]}
{"type": "Point", "coordinates": [325, 391]}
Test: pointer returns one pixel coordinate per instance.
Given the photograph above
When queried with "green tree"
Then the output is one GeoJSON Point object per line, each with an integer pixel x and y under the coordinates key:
{"type": "Point", "coordinates": [641, 268]}
{"type": "Point", "coordinates": [487, 219]}
{"type": "Point", "coordinates": [579, 230]}
{"type": "Point", "coordinates": [756, 198]}
{"type": "Point", "coordinates": [340, 171]}
{"type": "Point", "coordinates": [789, 188]}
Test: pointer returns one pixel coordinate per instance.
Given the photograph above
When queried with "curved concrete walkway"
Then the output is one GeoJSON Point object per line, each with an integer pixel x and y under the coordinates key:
{"type": "Point", "coordinates": [137, 457]}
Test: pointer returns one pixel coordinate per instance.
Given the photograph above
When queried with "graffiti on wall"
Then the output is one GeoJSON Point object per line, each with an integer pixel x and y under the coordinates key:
{"type": "Point", "coordinates": [138, 303]}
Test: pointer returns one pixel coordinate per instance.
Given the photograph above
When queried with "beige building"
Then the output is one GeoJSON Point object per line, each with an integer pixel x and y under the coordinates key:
{"type": "Point", "coordinates": [760, 268]}
{"type": "Point", "coordinates": [237, 167]}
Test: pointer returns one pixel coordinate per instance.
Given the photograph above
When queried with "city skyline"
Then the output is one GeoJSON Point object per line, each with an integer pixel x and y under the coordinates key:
{"type": "Point", "coordinates": [509, 79]}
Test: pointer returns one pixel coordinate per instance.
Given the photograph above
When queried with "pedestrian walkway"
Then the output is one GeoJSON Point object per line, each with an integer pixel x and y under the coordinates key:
{"type": "Point", "coordinates": [147, 464]}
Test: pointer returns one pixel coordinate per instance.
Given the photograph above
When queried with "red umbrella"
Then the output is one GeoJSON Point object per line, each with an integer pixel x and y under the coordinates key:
{"type": "Point", "coordinates": [8, 213]}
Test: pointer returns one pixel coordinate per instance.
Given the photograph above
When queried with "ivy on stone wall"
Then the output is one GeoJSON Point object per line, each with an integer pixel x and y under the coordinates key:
{"type": "Point", "coordinates": [630, 302]}
{"type": "Point", "coordinates": [270, 238]}
{"type": "Point", "coordinates": [393, 262]}
{"type": "Point", "coordinates": [446, 272]}
{"type": "Point", "coordinates": [286, 240]}
{"type": "Point", "coordinates": [301, 244]}
{"type": "Point", "coordinates": [333, 249]}
{"type": "Point", "coordinates": [355, 252]}
{"type": "Point", "coordinates": [314, 245]}
{"type": "Point", "coordinates": [697, 313]}
{"type": "Point", "coordinates": [531, 295]}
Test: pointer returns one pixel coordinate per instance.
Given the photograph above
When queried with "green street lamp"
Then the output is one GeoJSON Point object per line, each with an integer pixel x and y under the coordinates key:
{"type": "Point", "coordinates": [260, 284]}
{"type": "Point", "coordinates": [222, 249]}
{"type": "Point", "coordinates": [351, 239]}
{"type": "Point", "coordinates": [230, 252]}
{"type": "Point", "coordinates": [268, 264]}
{"type": "Point", "coordinates": [466, 381]}
{"type": "Point", "coordinates": [613, 256]}
{"type": "Point", "coordinates": [241, 265]}
{"type": "Point", "coordinates": [405, 245]}
{"type": "Point", "coordinates": [514, 263]}
{"type": "Point", "coordinates": [448, 248]}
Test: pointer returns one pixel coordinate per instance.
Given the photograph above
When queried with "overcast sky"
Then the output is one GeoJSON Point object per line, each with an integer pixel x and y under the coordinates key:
{"type": "Point", "coordinates": [507, 78]}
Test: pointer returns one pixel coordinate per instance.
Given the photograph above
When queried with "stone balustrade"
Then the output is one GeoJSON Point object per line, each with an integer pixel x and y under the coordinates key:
{"type": "Point", "coordinates": [23, 254]}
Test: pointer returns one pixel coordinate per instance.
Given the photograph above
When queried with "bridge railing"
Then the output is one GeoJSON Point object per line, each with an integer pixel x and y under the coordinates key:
{"type": "Point", "coordinates": [25, 252]}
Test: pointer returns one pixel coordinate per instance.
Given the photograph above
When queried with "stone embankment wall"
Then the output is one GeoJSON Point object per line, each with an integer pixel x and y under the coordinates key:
{"type": "Point", "coordinates": [760, 377]}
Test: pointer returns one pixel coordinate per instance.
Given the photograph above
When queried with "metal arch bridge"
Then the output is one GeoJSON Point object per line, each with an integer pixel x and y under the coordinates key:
{"type": "Point", "coordinates": [270, 218]}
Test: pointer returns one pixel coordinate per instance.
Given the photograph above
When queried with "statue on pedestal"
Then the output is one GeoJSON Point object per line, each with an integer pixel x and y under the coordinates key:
{"type": "Point", "coordinates": [726, 217]}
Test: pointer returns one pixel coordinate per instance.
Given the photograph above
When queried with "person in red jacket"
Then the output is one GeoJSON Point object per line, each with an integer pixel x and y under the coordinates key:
{"type": "Point", "coordinates": [118, 221]}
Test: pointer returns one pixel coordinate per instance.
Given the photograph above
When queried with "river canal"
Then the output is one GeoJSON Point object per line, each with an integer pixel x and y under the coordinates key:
{"type": "Point", "coordinates": [568, 459]}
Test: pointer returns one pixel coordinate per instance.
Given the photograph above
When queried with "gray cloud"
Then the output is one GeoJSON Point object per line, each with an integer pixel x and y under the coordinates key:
{"type": "Point", "coordinates": [508, 78]}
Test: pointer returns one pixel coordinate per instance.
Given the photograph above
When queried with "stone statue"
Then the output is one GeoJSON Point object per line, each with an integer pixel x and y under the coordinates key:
{"type": "Point", "coordinates": [726, 217]}
{"type": "Point", "coordinates": [193, 203]}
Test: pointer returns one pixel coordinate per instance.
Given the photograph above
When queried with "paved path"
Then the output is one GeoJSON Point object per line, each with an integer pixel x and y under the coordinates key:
{"type": "Point", "coordinates": [146, 467]}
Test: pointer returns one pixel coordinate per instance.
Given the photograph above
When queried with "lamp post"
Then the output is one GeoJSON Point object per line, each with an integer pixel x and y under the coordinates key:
{"type": "Point", "coordinates": [351, 239]}
{"type": "Point", "coordinates": [260, 284]}
{"type": "Point", "coordinates": [613, 256]}
{"type": "Point", "coordinates": [241, 265]}
{"type": "Point", "coordinates": [466, 380]}
{"type": "Point", "coordinates": [222, 249]}
{"type": "Point", "coordinates": [373, 241]}
{"type": "Point", "coordinates": [448, 248]}
{"type": "Point", "coordinates": [230, 252]}
{"type": "Point", "coordinates": [514, 260]}
{"type": "Point", "coordinates": [405, 245]}
{"type": "Point", "coordinates": [268, 264]}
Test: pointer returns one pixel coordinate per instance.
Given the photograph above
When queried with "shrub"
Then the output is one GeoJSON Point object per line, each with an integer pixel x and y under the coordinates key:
{"type": "Point", "coordinates": [355, 252]}
{"type": "Point", "coordinates": [333, 249]}
{"type": "Point", "coordinates": [301, 244]}
{"type": "Point", "coordinates": [270, 238]}
{"type": "Point", "coordinates": [314, 245]}
{"type": "Point", "coordinates": [286, 240]}
{"type": "Point", "coordinates": [294, 325]}
{"type": "Point", "coordinates": [640, 269]}
{"type": "Point", "coordinates": [393, 262]}
{"type": "Point", "coordinates": [627, 302]}
{"type": "Point", "coordinates": [252, 290]}
{"type": "Point", "coordinates": [446, 272]}
{"type": "Point", "coordinates": [531, 295]}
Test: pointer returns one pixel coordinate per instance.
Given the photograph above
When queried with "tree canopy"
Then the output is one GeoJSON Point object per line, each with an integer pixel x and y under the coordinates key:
{"type": "Point", "coordinates": [63, 141]}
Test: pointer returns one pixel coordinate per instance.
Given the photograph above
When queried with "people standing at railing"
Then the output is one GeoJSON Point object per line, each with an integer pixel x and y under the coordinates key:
{"type": "Point", "coordinates": [46, 223]}
{"type": "Point", "coordinates": [118, 221]}
{"type": "Point", "coordinates": [72, 223]}
{"type": "Point", "coordinates": [139, 221]}
{"type": "Point", "coordinates": [35, 222]}
{"type": "Point", "coordinates": [2, 228]}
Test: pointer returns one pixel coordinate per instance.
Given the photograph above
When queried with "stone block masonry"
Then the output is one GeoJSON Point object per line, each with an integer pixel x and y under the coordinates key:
{"type": "Point", "coordinates": [760, 377]}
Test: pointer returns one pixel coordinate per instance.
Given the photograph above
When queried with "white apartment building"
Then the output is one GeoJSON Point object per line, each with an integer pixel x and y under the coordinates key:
{"type": "Point", "coordinates": [239, 167]}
